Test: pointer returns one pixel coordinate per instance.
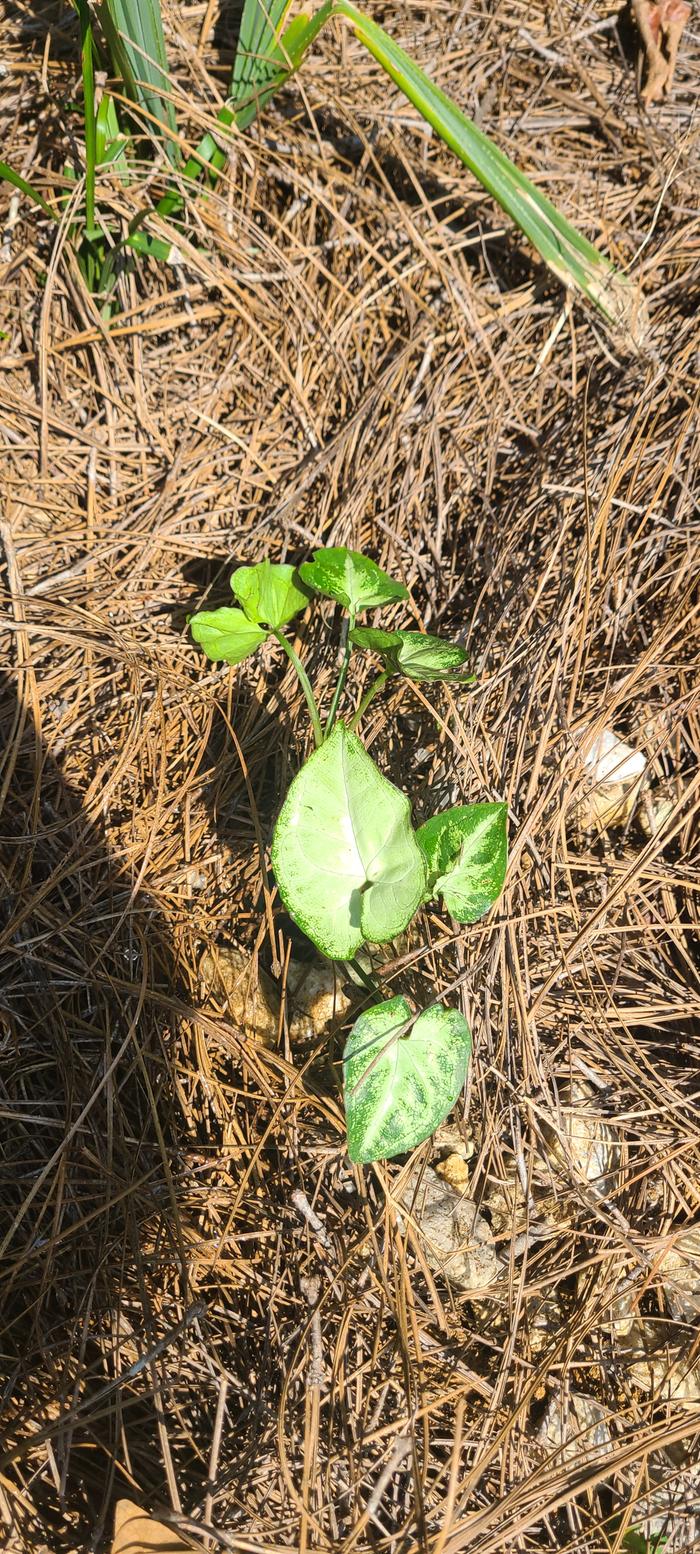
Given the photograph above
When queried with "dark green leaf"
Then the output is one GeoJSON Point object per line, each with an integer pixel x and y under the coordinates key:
{"type": "Point", "coordinates": [466, 852]}
{"type": "Point", "coordinates": [401, 1076]}
{"type": "Point", "coordinates": [270, 592]}
{"type": "Point", "coordinates": [414, 654]}
{"type": "Point", "coordinates": [351, 578]}
{"type": "Point", "coordinates": [226, 634]}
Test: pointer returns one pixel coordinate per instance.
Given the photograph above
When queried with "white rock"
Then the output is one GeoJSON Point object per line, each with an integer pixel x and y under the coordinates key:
{"type": "Point", "coordinates": [252, 999]}
{"type": "Point", "coordinates": [574, 1426]}
{"type": "Point", "coordinates": [578, 1137]}
{"type": "Point", "coordinates": [456, 1238]}
{"type": "Point", "coordinates": [679, 1273]}
{"type": "Point", "coordinates": [609, 759]}
{"type": "Point", "coordinates": [316, 995]}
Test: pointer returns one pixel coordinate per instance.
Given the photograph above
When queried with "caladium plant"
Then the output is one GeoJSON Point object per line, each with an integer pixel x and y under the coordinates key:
{"type": "Point", "coordinates": [350, 868]}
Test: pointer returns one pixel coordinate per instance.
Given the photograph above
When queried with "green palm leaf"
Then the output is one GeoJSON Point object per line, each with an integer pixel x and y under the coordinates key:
{"type": "Point", "coordinates": [258, 55]}
{"type": "Point", "coordinates": [134, 33]}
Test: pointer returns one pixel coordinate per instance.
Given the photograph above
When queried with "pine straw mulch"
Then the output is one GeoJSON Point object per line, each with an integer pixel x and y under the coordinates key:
{"type": "Point", "coordinates": [357, 348]}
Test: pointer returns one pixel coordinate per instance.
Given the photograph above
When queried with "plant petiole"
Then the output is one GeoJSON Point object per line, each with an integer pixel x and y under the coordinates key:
{"type": "Point", "coordinates": [348, 626]}
{"type": "Point", "coordinates": [304, 682]}
{"type": "Point", "coordinates": [361, 978]}
{"type": "Point", "coordinates": [369, 696]}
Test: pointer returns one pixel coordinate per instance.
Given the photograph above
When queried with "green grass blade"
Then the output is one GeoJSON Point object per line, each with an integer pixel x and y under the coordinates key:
{"type": "Point", "coordinates": [262, 63]}
{"type": "Point", "coordinates": [134, 33]}
{"type": "Point", "coordinates": [256, 55]}
{"type": "Point", "coordinates": [110, 142]}
{"type": "Point", "coordinates": [87, 61]}
{"type": "Point", "coordinates": [276, 54]}
{"type": "Point", "coordinates": [18, 182]}
{"type": "Point", "coordinates": [575, 261]}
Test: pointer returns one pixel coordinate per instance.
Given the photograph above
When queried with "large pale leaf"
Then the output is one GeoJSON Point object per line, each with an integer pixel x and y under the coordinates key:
{"type": "Point", "coordinates": [270, 592]}
{"type": "Point", "coordinates": [414, 654]}
{"type": "Point", "coordinates": [345, 857]}
{"type": "Point", "coordinates": [466, 853]}
{"type": "Point", "coordinates": [226, 634]}
{"type": "Point", "coordinates": [401, 1076]}
{"type": "Point", "coordinates": [353, 579]}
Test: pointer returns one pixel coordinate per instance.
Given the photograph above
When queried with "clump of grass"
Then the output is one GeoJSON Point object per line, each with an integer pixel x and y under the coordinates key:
{"type": "Point", "coordinates": [270, 50]}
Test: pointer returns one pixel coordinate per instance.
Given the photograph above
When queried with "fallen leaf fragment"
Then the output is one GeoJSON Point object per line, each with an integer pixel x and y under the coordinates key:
{"type": "Point", "coordinates": [679, 1273]}
{"type": "Point", "coordinates": [670, 1510]}
{"type": "Point", "coordinates": [655, 814]}
{"type": "Point", "coordinates": [660, 28]}
{"type": "Point", "coordinates": [247, 992]}
{"type": "Point", "coordinates": [660, 1369]}
{"type": "Point", "coordinates": [454, 1171]}
{"type": "Point", "coordinates": [613, 771]}
{"type": "Point", "coordinates": [135, 1532]}
{"type": "Point", "coordinates": [252, 999]}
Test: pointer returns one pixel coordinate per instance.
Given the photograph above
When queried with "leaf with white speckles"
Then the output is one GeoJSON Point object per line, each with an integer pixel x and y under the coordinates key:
{"type": "Point", "coordinates": [344, 853]}
{"type": "Point", "coordinates": [466, 852]}
{"type": "Point", "coordinates": [402, 1076]}
{"type": "Point", "coordinates": [414, 654]}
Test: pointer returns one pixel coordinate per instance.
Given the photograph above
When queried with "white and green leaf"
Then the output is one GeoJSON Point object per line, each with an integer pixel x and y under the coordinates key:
{"type": "Point", "coordinates": [352, 579]}
{"type": "Point", "coordinates": [270, 592]}
{"type": "Point", "coordinates": [226, 634]}
{"type": "Point", "coordinates": [344, 853]}
{"type": "Point", "coordinates": [466, 855]}
{"type": "Point", "coordinates": [415, 654]}
{"type": "Point", "coordinates": [401, 1076]}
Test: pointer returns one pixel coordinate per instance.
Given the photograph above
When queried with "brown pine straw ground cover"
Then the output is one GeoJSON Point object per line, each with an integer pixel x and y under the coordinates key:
{"type": "Point", "coordinates": [356, 349]}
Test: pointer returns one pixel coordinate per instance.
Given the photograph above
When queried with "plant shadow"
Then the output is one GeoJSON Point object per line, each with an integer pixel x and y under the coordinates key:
{"type": "Point", "coordinates": [97, 1151]}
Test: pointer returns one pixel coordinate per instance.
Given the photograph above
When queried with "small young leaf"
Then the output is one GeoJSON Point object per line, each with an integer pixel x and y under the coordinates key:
{"type": "Point", "coordinates": [401, 1076]}
{"type": "Point", "coordinates": [227, 634]}
{"type": "Point", "coordinates": [414, 653]}
{"type": "Point", "coordinates": [466, 852]}
{"type": "Point", "coordinates": [270, 592]}
{"type": "Point", "coordinates": [344, 853]}
{"type": "Point", "coordinates": [351, 578]}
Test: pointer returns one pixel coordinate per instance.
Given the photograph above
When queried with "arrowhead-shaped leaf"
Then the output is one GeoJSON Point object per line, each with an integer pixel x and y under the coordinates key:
{"type": "Point", "coordinates": [344, 853]}
{"type": "Point", "coordinates": [466, 852]}
{"type": "Point", "coordinates": [227, 634]}
{"type": "Point", "coordinates": [270, 592]}
{"type": "Point", "coordinates": [401, 1076]}
{"type": "Point", "coordinates": [414, 653]}
{"type": "Point", "coordinates": [351, 578]}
